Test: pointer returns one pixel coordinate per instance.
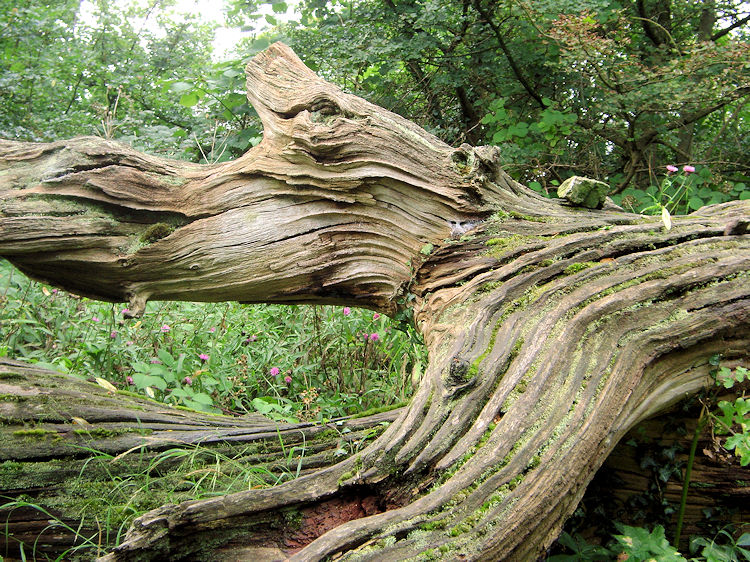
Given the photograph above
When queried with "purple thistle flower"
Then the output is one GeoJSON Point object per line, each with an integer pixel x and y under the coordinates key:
{"type": "Point", "coordinates": [95, 319]}
{"type": "Point", "coordinates": [287, 379]}
{"type": "Point", "coordinates": [187, 380]}
{"type": "Point", "coordinates": [113, 334]}
{"type": "Point", "coordinates": [165, 328]}
{"type": "Point", "coordinates": [155, 361]}
{"type": "Point", "coordinates": [671, 169]}
{"type": "Point", "coordinates": [375, 316]}
{"type": "Point", "coordinates": [347, 311]}
{"type": "Point", "coordinates": [125, 311]}
{"type": "Point", "coordinates": [203, 357]}
{"type": "Point", "coordinates": [374, 336]}
{"type": "Point", "coordinates": [274, 371]}
{"type": "Point", "coordinates": [129, 380]}
{"type": "Point", "coordinates": [688, 169]}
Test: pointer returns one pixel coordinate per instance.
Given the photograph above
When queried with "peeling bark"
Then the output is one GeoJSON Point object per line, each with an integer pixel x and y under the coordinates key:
{"type": "Point", "coordinates": [551, 330]}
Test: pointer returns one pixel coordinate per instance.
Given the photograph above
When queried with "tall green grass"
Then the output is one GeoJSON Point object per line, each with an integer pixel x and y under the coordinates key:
{"type": "Point", "coordinates": [288, 362]}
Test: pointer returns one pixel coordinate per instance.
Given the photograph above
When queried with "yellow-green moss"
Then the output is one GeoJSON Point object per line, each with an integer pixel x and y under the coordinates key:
{"type": "Point", "coordinates": [156, 232]}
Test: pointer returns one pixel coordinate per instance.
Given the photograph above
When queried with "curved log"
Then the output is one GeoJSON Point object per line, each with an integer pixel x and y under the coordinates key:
{"type": "Point", "coordinates": [552, 330]}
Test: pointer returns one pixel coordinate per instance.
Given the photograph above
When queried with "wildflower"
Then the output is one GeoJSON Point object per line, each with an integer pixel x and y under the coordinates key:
{"type": "Point", "coordinates": [95, 319]}
{"type": "Point", "coordinates": [129, 380]}
{"type": "Point", "coordinates": [287, 379]}
{"type": "Point", "coordinates": [374, 337]}
{"type": "Point", "coordinates": [113, 334]}
{"type": "Point", "coordinates": [274, 371]}
{"type": "Point", "coordinates": [165, 328]}
{"type": "Point", "coordinates": [212, 329]}
{"type": "Point", "coordinates": [155, 361]}
{"type": "Point", "coordinates": [129, 342]}
{"type": "Point", "coordinates": [187, 380]}
{"type": "Point", "coordinates": [125, 311]}
{"type": "Point", "coordinates": [203, 357]}
{"type": "Point", "coordinates": [347, 311]}
{"type": "Point", "coordinates": [671, 169]}
{"type": "Point", "coordinates": [375, 316]}
{"type": "Point", "coordinates": [54, 291]}
{"type": "Point", "coordinates": [688, 169]}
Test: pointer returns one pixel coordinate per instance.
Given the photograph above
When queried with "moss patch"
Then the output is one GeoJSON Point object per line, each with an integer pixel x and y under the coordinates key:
{"type": "Point", "coordinates": [156, 232]}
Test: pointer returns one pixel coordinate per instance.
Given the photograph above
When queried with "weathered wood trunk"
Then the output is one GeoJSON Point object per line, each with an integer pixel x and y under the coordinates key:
{"type": "Point", "coordinates": [552, 330]}
{"type": "Point", "coordinates": [65, 442]}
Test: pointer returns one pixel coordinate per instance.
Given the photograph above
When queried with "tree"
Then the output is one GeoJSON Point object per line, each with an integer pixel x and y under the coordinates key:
{"type": "Point", "coordinates": [551, 329]}
{"type": "Point", "coordinates": [601, 88]}
{"type": "Point", "coordinates": [64, 74]}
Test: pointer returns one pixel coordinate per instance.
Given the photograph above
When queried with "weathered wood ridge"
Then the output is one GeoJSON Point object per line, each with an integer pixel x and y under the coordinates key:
{"type": "Point", "coordinates": [551, 329]}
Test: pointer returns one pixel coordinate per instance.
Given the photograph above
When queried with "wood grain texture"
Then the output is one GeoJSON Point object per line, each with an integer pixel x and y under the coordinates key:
{"type": "Point", "coordinates": [552, 330]}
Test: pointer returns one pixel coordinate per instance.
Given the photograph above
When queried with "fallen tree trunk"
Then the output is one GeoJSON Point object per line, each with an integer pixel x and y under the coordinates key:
{"type": "Point", "coordinates": [551, 330]}
{"type": "Point", "coordinates": [65, 444]}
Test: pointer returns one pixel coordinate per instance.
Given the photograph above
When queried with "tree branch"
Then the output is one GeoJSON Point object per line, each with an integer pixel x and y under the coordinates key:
{"type": "Point", "coordinates": [508, 55]}
{"type": "Point", "coordinates": [722, 32]}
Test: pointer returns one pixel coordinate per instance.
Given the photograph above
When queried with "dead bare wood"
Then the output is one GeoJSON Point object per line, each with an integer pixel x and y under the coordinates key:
{"type": "Point", "coordinates": [552, 330]}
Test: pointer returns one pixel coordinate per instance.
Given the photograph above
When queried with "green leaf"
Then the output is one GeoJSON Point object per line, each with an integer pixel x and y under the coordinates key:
{"type": "Point", "coordinates": [142, 381]}
{"type": "Point", "coordinates": [181, 87]}
{"type": "Point", "coordinates": [536, 186]}
{"type": "Point", "coordinates": [695, 203]}
{"type": "Point", "coordinates": [166, 357]}
{"type": "Point", "coordinates": [203, 398]}
{"type": "Point", "coordinates": [189, 100]}
{"type": "Point", "coordinates": [279, 7]}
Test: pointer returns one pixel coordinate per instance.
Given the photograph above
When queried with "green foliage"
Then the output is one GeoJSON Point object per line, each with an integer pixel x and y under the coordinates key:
{"type": "Point", "coordinates": [550, 128]}
{"type": "Point", "coordinates": [598, 88]}
{"type": "Point", "coordinates": [633, 543]}
{"type": "Point", "coordinates": [682, 193]}
{"type": "Point", "coordinates": [139, 74]}
{"type": "Point", "coordinates": [580, 550]}
{"type": "Point", "coordinates": [732, 418]}
{"type": "Point", "coordinates": [640, 544]}
{"type": "Point", "coordinates": [287, 362]}
{"type": "Point", "coordinates": [728, 550]}
{"type": "Point", "coordinates": [112, 491]}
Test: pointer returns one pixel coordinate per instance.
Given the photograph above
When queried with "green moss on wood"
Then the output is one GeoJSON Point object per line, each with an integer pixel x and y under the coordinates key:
{"type": "Point", "coordinates": [580, 266]}
{"type": "Point", "coordinates": [33, 432]}
{"type": "Point", "coordinates": [156, 232]}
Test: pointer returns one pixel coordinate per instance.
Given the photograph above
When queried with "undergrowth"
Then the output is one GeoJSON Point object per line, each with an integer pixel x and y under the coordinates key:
{"type": "Point", "coordinates": [290, 363]}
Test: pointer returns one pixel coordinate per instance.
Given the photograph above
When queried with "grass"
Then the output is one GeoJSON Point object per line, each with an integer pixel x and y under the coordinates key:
{"type": "Point", "coordinates": [110, 491]}
{"type": "Point", "coordinates": [288, 362]}
{"type": "Point", "coordinates": [291, 363]}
